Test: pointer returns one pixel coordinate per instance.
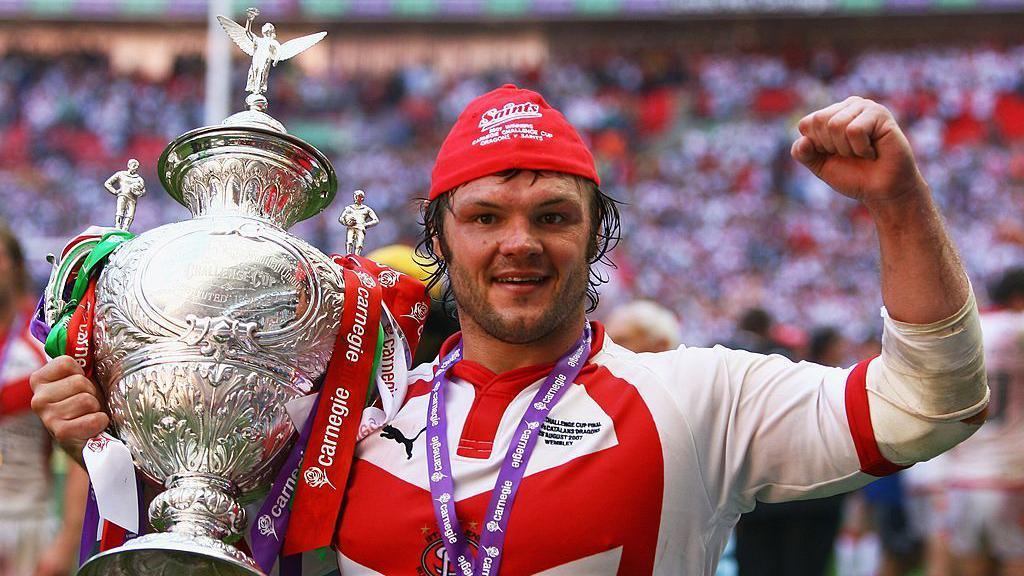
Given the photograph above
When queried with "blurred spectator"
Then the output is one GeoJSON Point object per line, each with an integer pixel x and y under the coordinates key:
{"type": "Point", "coordinates": [671, 129]}
{"type": "Point", "coordinates": [985, 474]}
{"type": "Point", "coordinates": [643, 326]}
{"type": "Point", "coordinates": [32, 541]}
{"type": "Point", "coordinates": [791, 538]}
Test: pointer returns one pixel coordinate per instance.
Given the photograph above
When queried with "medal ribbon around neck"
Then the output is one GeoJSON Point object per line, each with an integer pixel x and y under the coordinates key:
{"type": "Point", "coordinates": [439, 467]}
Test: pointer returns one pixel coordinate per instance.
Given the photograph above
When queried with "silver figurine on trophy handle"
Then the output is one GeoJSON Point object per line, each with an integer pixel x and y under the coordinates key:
{"type": "Point", "coordinates": [357, 217]}
{"type": "Point", "coordinates": [206, 328]}
{"type": "Point", "coordinates": [128, 186]}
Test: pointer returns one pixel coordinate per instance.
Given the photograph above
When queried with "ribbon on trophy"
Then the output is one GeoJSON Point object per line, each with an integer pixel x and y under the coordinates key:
{"type": "Point", "coordinates": [110, 517]}
{"type": "Point", "coordinates": [310, 486]}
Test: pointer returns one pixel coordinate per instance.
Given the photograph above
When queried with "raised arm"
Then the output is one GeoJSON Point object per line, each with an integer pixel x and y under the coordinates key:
{"type": "Point", "coordinates": [927, 390]}
{"type": "Point", "coordinates": [857, 148]}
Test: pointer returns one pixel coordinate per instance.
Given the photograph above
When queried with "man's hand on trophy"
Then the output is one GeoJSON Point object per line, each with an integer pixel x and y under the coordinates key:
{"type": "Point", "coordinates": [68, 403]}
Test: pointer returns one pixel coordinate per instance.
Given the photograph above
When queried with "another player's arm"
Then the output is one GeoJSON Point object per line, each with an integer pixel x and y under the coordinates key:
{"type": "Point", "coordinates": [930, 376]}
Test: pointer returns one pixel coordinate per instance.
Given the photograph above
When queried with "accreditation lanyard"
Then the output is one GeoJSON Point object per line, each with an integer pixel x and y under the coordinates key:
{"type": "Point", "coordinates": [439, 466]}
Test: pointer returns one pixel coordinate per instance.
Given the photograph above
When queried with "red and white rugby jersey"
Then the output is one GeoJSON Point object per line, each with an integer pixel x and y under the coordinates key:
{"type": "Point", "coordinates": [24, 443]}
{"type": "Point", "coordinates": [994, 456]}
{"type": "Point", "coordinates": [643, 467]}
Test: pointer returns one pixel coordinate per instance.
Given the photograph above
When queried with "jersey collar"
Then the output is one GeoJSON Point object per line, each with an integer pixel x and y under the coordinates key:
{"type": "Point", "coordinates": [513, 381]}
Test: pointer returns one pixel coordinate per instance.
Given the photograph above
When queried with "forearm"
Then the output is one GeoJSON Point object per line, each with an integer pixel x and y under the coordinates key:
{"type": "Point", "coordinates": [922, 278]}
{"type": "Point", "coordinates": [931, 375]}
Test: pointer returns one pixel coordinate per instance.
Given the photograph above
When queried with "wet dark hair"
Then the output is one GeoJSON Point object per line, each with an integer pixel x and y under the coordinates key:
{"type": "Point", "coordinates": [604, 234]}
{"type": "Point", "coordinates": [1009, 285]}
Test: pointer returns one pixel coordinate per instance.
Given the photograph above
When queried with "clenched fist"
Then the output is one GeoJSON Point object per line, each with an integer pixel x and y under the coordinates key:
{"type": "Point", "coordinates": [68, 403]}
{"type": "Point", "coordinates": [856, 147]}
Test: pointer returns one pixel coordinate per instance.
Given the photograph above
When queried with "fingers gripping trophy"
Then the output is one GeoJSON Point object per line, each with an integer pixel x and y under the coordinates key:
{"type": "Point", "coordinates": [204, 329]}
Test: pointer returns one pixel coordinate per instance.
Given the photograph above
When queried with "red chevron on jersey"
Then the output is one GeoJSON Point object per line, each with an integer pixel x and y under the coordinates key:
{"type": "Point", "coordinates": [643, 466]}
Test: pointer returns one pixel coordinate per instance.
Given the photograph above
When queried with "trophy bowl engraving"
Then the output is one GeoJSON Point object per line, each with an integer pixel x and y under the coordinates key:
{"type": "Point", "coordinates": [205, 329]}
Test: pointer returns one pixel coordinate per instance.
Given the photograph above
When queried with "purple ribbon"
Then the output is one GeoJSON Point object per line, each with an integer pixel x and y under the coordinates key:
{"type": "Point", "coordinates": [38, 327]}
{"type": "Point", "coordinates": [268, 531]}
{"type": "Point", "coordinates": [439, 467]}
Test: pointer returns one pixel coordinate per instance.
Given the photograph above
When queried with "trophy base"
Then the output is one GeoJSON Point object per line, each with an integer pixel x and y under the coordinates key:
{"type": "Point", "coordinates": [172, 554]}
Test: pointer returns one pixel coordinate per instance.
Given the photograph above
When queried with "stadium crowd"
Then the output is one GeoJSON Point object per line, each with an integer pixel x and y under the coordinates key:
{"type": "Point", "coordinates": [717, 216]}
{"type": "Point", "coordinates": [718, 220]}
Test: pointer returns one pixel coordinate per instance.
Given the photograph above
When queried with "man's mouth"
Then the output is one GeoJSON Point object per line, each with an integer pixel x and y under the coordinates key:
{"type": "Point", "coordinates": [520, 280]}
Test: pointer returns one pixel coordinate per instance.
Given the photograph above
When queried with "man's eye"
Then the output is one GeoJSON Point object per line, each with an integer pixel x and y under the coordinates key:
{"type": "Point", "coordinates": [552, 218]}
{"type": "Point", "coordinates": [485, 219]}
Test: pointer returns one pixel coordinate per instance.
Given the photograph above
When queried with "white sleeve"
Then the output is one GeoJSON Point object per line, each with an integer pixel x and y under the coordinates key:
{"type": "Point", "coordinates": [768, 429]}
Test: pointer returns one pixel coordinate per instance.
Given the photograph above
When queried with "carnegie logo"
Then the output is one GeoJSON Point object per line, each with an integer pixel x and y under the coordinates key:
{"type": "Point", "coordinates": [315, 477]}
{"type": "Point", "coordinates": [507, 113]}
{"type": "Point", "coordinates": [266, 526]}
{"type": "Point", "coordinates": [418, 312]}
{"type": "Point", "coordinates": [387, 278]}
{"type": "Point", "coordinates": [97, 444]}
{"type": "Point", "coordinates": [365, 279]}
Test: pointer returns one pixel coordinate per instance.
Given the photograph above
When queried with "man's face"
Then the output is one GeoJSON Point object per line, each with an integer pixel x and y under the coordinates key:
{"type": "Point", "coordinates": [517, 254]}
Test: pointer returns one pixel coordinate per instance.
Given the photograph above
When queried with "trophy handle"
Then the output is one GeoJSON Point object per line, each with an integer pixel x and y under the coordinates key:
{"type": "Point", "coordinates": [64, 272]}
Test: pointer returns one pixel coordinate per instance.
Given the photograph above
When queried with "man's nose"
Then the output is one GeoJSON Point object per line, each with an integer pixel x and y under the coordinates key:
{"type": "Point", "coordinates": [519, 238]}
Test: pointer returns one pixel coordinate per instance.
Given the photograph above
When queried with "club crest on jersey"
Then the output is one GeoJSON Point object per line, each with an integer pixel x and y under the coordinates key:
{"type": "Point", "coordinates": [507, 113]}
{"type": "Point", "coordinates": [434, 560]}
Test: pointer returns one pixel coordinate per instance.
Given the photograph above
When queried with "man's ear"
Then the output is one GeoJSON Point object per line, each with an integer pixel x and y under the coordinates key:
{"type": "Point", "coordinates": [436, 241]}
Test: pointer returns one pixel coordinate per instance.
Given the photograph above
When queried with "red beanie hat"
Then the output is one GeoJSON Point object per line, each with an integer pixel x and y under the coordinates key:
{"type": "Point", "coordinates": [504, 129]}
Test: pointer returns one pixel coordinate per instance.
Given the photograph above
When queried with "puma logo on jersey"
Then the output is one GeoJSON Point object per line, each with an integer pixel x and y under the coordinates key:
{"type": "Point", "coordinates": [392, 433]}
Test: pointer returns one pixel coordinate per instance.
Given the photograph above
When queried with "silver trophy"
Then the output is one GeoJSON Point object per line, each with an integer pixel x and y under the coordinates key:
{"type": "Point", "coordinates": [206, 328]}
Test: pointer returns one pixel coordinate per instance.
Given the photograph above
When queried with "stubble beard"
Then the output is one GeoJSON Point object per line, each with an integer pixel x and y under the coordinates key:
{"type": "Point", "coordinates": [560, 311]}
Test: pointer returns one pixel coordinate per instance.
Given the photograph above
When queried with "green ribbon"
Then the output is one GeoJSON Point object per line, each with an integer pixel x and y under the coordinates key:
{"type": "Point", "coordinates": [56, 342]}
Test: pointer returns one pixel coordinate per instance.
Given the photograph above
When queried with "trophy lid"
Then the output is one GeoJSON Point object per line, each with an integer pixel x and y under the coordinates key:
{"type": "Point", "coordinates": [249, 163]}
{"type": "Point", "coordinates": [257, 171]}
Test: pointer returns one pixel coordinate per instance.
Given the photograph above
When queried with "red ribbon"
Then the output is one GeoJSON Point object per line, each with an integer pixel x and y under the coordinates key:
{"type": "Point", "coordinates": [80, 347]}
{"type": "Point", "coordinates": [328, 458]}
{"type": "Point", "coordinates": [79, 333]}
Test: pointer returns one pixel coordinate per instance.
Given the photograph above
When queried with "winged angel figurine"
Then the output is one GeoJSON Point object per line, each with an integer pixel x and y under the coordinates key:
{"type": "Point", "coordinates": [265, 50]}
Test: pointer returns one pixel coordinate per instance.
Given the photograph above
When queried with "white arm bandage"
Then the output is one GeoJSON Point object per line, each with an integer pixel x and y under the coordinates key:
{"type": "Point", "coordinates": [928, 378]}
